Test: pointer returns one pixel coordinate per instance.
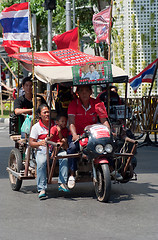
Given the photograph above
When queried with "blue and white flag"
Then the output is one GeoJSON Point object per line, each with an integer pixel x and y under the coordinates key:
{"type": "Point", "coordinates": [15, 23]}
{"type": "Point", "coordinates": [145, 76]}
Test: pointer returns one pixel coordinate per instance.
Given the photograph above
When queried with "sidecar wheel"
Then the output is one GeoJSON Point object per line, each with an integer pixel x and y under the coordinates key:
{"type": "Point", "coordinates": [103, 184]}
{"type": "Point", "coordinates": [15, 163]}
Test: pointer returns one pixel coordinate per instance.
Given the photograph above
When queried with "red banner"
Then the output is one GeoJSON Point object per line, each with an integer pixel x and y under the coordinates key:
{"type": "Point", "coordinates": [64, 57]}
{"type": "Point", "coordinates": [101, 23]}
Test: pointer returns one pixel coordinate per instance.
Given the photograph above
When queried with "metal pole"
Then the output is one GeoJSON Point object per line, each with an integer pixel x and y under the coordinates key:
{"type": "Point", "coordinates": [68, 15]}
{"type": "Point", "coordinates": [49, 43]}
{"type": "Point", "coordinates": [73, 13]}
{"type": "Point", "coordinates": [49, 30]}
{"type": "Point", "coordinates": [109, 47]}
{"type": "Point", "coordinates": [153, 78]}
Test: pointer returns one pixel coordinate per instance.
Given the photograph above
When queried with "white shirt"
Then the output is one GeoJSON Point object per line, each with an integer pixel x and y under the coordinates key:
{"type": "Point", "coordinates": [39, 133]}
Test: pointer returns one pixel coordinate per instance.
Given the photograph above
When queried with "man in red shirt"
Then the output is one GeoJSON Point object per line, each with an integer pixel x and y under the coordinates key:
{"type": "Point", "coordinates": [81, 112]}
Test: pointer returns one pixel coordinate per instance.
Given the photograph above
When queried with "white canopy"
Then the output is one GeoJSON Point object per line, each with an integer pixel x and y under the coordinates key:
{"type": "Point", "coordinates": [59, 74]}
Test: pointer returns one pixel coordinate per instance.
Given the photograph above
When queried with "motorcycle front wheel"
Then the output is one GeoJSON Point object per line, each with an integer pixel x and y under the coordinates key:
{"type": "Point", "coordinates": [103, 183]}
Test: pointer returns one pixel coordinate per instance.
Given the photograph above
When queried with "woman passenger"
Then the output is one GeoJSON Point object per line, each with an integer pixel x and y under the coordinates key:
{"type": "Point", "coordinates": [38, 136]}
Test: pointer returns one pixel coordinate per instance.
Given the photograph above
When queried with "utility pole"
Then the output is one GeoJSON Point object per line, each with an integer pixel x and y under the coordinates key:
{"type": "Point", "coordinates": [49, 30]}
{"type": "Point", "coordinates": [73, 7]}
{"type": "Point", "coordinates": [68, 15]}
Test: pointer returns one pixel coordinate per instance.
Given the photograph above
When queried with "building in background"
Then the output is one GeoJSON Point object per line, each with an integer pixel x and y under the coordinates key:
{"type": "Point", "coordinates": [135, 39]}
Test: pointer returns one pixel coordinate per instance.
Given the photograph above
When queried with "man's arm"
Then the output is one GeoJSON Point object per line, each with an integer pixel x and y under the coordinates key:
{"type": "Point", "coordinates": [71, 119]}
{"type": "Point", "coordinates": [105, 122]}
{"type": "Point", "coordinates": [18, 107]}
{"type": "Point", "coordinates": [19, 111]}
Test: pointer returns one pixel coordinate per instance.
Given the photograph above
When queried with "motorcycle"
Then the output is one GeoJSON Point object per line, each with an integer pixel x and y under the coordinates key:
{"type": "Point", "coordinates": [101, 153]}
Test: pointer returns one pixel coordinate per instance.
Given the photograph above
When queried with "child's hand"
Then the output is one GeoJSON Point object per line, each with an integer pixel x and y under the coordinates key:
{"type": "Point", "coordinates": [64, 143]}
{"type": "Point", "coordinates": [58, 128]}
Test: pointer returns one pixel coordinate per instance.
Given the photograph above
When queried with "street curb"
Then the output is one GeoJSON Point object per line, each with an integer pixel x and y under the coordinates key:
{"type": "Point", "coordinates": [4, 120]}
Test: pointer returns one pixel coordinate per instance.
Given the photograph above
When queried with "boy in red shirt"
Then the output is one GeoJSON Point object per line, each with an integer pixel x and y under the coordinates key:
{"type": "Point", "coordinates": [59, 134]}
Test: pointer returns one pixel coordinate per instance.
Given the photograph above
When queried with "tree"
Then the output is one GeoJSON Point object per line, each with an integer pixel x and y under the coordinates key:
{"type": "Point", "coordinates": [59, 20]}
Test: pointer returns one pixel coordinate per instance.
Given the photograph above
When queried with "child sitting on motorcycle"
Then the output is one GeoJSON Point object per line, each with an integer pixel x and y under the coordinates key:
{"type": "Point", "coordinates": [59, 134]}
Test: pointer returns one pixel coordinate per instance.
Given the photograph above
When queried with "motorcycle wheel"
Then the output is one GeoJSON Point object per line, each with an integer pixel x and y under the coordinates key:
{"type": "Point", "coordinates": [103, 184]}
{"type": "Point", "coordinates": [15, 163]}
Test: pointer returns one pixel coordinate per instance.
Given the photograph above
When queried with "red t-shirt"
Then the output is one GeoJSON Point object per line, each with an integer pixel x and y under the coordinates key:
{"type": "Point", "coordinates": [83, 117]}
{"type": "Point", "coordinates": [54, 131]}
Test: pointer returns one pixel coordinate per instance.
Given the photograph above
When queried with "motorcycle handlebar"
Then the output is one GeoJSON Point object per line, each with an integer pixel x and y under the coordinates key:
{"type": "Point", "coordinates": [53, 143]}
{"type": "Point", "coordinates": [84, 135]}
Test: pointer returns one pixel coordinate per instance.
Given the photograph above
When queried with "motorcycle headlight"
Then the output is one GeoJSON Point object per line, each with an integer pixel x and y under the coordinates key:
{"type": "Point", "coordinates": [108, 148]}
{"type": "Point", "coordinates": [99, 148]}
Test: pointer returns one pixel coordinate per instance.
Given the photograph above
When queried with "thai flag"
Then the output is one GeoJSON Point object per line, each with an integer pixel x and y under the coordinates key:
{"type": "Point", "coordinates": [145, 76]}
{"type": "Point", "coordinates": [15, 23]}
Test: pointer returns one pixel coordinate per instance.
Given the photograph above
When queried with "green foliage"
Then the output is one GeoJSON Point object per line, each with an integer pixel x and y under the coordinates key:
{"type": "Point", "coordinates": [153, 43]}
{"type": "Point", "coordinates": [122, 33]}
{"type": "Point", "coordinates": [121, 3]}
{"type": "Point", "coordinates": [119, 38]}
{"type": "Point", "coordinates": [153, 56]}
{"type": "Point", "coordinates": [8, 3]}
{"type": "Point", "coordinates": [143, 37]}
{"type": "Point", "coordinates": [121, 45]}
{"type": "Point", "coordinates": [114, 33]}
{"type": "Point", "coordinates": [118, 10]}
{"type": "Point", "coordinates": [152, 1]}
{"type": "Point", "coordinates": [152, 31]}
{"type": "Point", "coordinates": [144, 64]}
{"type": "Point", "coordinates": [134, 45]}
{"type": "Point", "coordinates": [133, 33]}
{"type": "Point", "coordinates": [41, 14]}
{"type": "Point", "coordinates": [122, 17]}
{"type": "Point", "coordinates": [132, 3]}
{"type": "Point", "coordinates": [133, 19]}
{"type": "Point", "coordinates": [13, 64]}
{"type": "Point", "coordinates": [152, 16]}
{"type": "Point", "coordinates": [115, 47]}
{"type": "Point", "coordinates": [144, 89]}
{"type": "Point", "coordinates": [133, 70]}
{"type": "Point", "coordinates": [142, 8]}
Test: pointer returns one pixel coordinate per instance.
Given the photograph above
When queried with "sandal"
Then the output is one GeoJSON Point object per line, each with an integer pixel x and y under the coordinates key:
{"type": "Point", "coordinates": [42, 194]}
{"type": "Point", "coordinates": [63, 188]}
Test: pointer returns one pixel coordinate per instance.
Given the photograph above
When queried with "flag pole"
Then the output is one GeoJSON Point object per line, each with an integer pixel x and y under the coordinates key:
{"type": "Point", "coordinates": [33, 73]}
{"type": "Point", "coordinates": [109, 46]}
{"type": "Point", "coordinates": [153, 78]}
{"type": "Point", "coordinates": [1, 91]}
{"type": "Point", "coordinates": [109, 58]}
{"type": "Point", "coordinates": [78, 24]}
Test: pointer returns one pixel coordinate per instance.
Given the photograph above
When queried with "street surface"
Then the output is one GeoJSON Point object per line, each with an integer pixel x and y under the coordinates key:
{"type": "Point", "coordinates": [132, 212]}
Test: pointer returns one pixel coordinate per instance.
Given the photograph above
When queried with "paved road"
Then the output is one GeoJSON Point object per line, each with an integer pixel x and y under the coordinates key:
{"type": "Point", "coordinates": [130, 214]}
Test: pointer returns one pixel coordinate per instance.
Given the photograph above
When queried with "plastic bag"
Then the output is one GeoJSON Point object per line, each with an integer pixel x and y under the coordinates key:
{"type": "Point", "coordinates": [26, 125]}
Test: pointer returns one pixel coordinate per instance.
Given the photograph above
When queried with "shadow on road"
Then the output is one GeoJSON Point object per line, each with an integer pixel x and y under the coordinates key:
{"type": "Point", "coordinates": [119, 193]}
{"type": "Point", "coordinates": [126, 192]}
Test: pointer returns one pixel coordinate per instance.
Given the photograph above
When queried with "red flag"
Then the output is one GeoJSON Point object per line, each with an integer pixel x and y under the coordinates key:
{"type": "Point", "coordinates": [101, 23]}
{"type": "Point", "coordinates": [11, 50]}
{"type": "Point", "coordinates": [68, 39]}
